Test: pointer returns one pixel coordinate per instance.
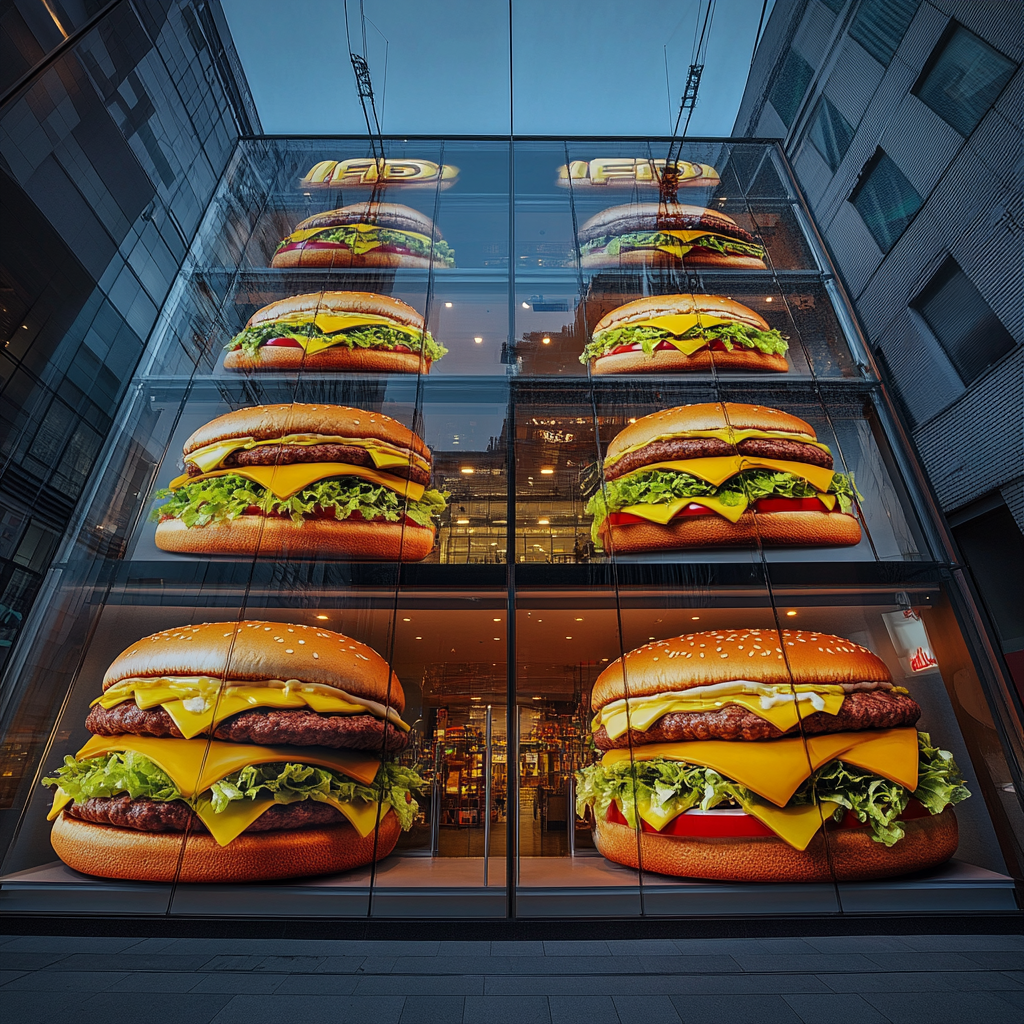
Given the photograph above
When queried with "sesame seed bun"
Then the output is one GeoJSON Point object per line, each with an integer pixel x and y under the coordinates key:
{"type": "Point", "coordinates": [718, 656]}
{"type": "Point", "coordinates": [666, 305]}
{"type": "Point", "coordinates": [382, 215]}
{"type": "Point", "coordinates": [674, 361]}
{"type": "Point", "coordinates": [257, 650]}
{"type": "Point", "coordinates": [111, 852]}
{"type": "Point", "coordinates": [706, 416]}
{"type": "Point", "coordinates": [269, 422]}
{"type": "Point", "coordinates": [618, 220]}
{"type": "Point", "coordinates": [339, 302]}
{"type": "Point", "coordinates": [339, 358]}
{"type": "Point", "coordinates": [843, 855]}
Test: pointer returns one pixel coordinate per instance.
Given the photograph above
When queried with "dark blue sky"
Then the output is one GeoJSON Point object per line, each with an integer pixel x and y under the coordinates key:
{"type": "Point", "coordinates": [580, 66]}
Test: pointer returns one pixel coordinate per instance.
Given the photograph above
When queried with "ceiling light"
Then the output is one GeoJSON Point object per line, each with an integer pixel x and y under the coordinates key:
{"type": "Point", "coordinates": [650, 638]}
{"type": "Point", "coordinates": [579, 619]}
{"type": "Point", "coordinates": [568, 638]}
{"type": "Point", "coordinates": [633, 420]}
{"type": "Point", "coordinates": [545, 341]}
{"type": "Point", "coordinates": [474, 698]}
{"type": "Point", "coordinates": [604, 659]}
{"type": "Point", "coordinates": [478, 340]}
{"type": "Point", "coordinates": [419, 638]}
{"type": "Point", "coordinates": [407, 620]}
{"type": "Point", "coordinates": [466, 469]}
{"type": "Point", "coordinates": [496, 638]}
{"type": "Point", "coordinates": [791, 614]}
{"type": "Point", "coordinates": [546, 472]}
{"type": "Point", "coordinates": [321, 616]}
{"type": "Point", "coordinates": [496, 620]}
{"type": "Point", "coordinates": [461, 522]}
{"type": "Point", "coordinates": [494, 543]}
{"type": "Point", "coordinates": [543, 522]}
{"type": "Point", "coordinates": [526, 305]}
{"type": "Point", "coordinates": [768, 298]}
{"type": "Point", "coordinates": [536, 698]}
{"type": "Point", "coordinates": [447, 305]}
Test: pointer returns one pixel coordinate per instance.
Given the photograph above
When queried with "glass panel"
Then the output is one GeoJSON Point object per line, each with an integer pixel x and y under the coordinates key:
{"type": "Point", "coordinates": [886, 201]}
{"type": "Point", "coordinates": [830, 133]}
{"type": "Point", "coordinates": [879, 26]}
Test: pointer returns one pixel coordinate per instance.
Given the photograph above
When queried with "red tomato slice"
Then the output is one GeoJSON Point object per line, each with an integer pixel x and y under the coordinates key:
{"type": "Point", "coordinates": [789, 505]}
{"type": "Point", "coordinates": [282, 343]}
{"type": "Point", "coordinates": [628, 519]}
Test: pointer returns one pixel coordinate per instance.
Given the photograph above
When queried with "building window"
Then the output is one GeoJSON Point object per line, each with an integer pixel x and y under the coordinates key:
{"type": "Point", "coordinates": [885, 199]}
{"type": "Point", "coordinates": [789, 88]}
{"type": "Point", "coordinates": [962, 79]}
{"type": "Point", "coordinates": [834, 5]}
{"type": "Point", "coordinates": [830, 133]}
{"type": "Point", "coordinates": [880, 26]}
{"type": "Point", "coordinates": [963, 322]}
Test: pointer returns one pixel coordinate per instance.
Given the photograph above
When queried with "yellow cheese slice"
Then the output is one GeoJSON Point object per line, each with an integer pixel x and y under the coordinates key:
{"type": "Point", "coordinates": [362, 815]}
{"type": "Point", "coordinates": [680, 323]}
{"type": "Point", "coordinates": [796, 826]}
{"type": "Point", "coordinates": [60, 801]}
{"type": "Point", "coordinates": [284, 481]}
{"type": "Point", "coordinates": [363, 229]}
{"type": "Point", "coordinates": [643, 714]}
{"type": "Point", "coordinates": [230, 823]}
{"type": "Point", "coordinates": [687, 240]}
{"type": "Point", "coordinates": [730, 435]}
{"type": "Point", "coordinates": [195, 765]}
{"type": "Point", "coordinates": [775, 769]}
{"type": "Point", "coordinates": [384, 456]}
{"type": "Point", "coordinates": [717, 470]}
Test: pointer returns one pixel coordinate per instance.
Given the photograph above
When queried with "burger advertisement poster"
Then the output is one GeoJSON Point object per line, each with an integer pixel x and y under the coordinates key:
{"type": "Point", "coordinates": [480, 538]}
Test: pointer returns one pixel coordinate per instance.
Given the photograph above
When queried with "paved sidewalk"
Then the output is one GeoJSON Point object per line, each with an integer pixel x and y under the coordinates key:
{"type": "Point", "coordinates": [846, 979]}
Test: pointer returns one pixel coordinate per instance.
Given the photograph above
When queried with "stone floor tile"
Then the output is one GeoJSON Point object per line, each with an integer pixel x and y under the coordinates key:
{"type": "Point", "coordinates": [944, 1007]}
{"type": "Point", "coordinates": [726, 947]}
{"type": "Point", "coordinates": [244, 984]}
{"type": "Point", "coordinates": [644, 1009]}
{"type": "Point", "coordinates": [340, 964]}
{"type": "Point", "coordinates": [131, 962]}
{"type": "Point", "coordinates": [154, 945]}
{"type": "Point", "coordinates": [582, 1010]}
{"type": "Point", "coordinates": [433, 1010]}
{"type": "Point", "coordinates": [450, 965]}
{"type": "Point", "coordinates": [318, 984]}
{"type": "Point", "coordinates": [859, 944]}
{"type": "Point", "coordinates": [66, 981]}
{"type": "Point", "coordinates": [578, 965]}
{"type": "Point", "coordinates": [565, 984]}
{"type": "Point", "coordinates": [963, 943]}
{"type": "Point", "coordinates": [159, 981]}
{"type": "Point", "coordinates": [997, 961]}
{"type": "Point", "coordinates": [67, 944]}
{"type": "Point", "coordinates": [939, 961]}
{"type": "Point", "coordinates": [517, 947]}
{"type": "Point", "coordinates": [233, 962]}
{"type": "Point", "coordinates": [420, 984]}
{"type": "Point", "coordinates": [142, 1008]}
{"type": "Point", "coordinates": [40, 1007]}
{"type": "Point", "coordinates": [689, 965]}
{"type": "Point", "coordinates": [739, 984]}
{"type": "Point", "coordinates": [784, 944]}
{"type": "Point", "coordinates": [8, 976]}
{"type": "Point", "coordinates": [464, 947]}
{"type": "Point", "coordinates": [291, 964]}
{"type": "Point", "coordinates": [399, 947]}
{"type": "Point", "coordinates": [809, 963]}
{"type": "Point", "coordinates": [377, 964]}
{"type": "Point", "coordinates": [642, 947]}
{"type": "Point", "coordinates": [1014, 998]}
{"type": "Point", "coordinates": [1014, 976]}
{"type": "Point", "coordinates": [36, 961]}
{"type": "Point", "coordinates": [506, 1010]}
{"type": "Point", "coordinates": [576, 947]}
{"type": "Point", "coordinates": [846, 1008]}
{"type": "Point", "coordinates": [311, 1009]}
{"type": "Point", "coordinates": [734, 1009]}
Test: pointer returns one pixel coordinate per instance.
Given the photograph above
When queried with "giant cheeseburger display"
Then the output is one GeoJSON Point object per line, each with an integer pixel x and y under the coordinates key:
{"type": "Point", "coordinates": [302, 481]}
{"type": "Point", "coordinates": [667, 235]}
{"type": "Point", "coordinates": [366, 235]}
{"type": "Point", "coordinates": [756, 755]}
{"type": "Point", "coordinates": [682, 333]}
{"type": "Point", "coordinates": [720, 474]}
{"type": "Point", "coordinates": [237, 752]}
{"type": "Point", "coordinates": [355, 332]}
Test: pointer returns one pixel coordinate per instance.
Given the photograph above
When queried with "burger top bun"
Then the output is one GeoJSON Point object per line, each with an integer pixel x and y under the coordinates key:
{"type": "Point", "coordinates": [268, 422]}
{"type": "Point", "coordinates": [706, 416]}
{"type": "Point", "coordinates": [719, 656]}
{"type": "Point", "coordinates": [383, 215]}
{"type": "Point", "coordinates": [339, 302]}
{"type": "Point", "coordinates": [666, 305]}
{"type": "Point", "coordinates": [617, 220]}
{"type": "Point", "coordinates": [255, 650]}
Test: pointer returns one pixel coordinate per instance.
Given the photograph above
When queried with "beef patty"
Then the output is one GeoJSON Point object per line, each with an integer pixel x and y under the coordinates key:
{"type": "Point", "coordinates": [874, 709]}
{"type": "Point", "coordinates": [268, 727]}
{"type": "Point", "coordinates": [145, 815]}
{"type": "Point", "coordinates": [712, 447]}
{"type": "Point", "coordinates": [286, 454]}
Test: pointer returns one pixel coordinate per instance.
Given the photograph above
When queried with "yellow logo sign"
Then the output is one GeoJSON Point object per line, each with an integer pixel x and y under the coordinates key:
{"type": "Point", "coordinates": [367, 171]}
{"type": "Point", "coordinates": [629, 171]}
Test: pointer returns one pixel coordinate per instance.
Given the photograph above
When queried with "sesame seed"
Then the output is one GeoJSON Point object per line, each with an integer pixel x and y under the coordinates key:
{"type": "Point", "coordinates": [316, 657]}
{"type": "Point", "coordinates": [289, 650]}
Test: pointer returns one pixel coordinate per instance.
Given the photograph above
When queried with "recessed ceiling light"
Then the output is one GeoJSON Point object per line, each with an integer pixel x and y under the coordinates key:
{"type": "Point", "coordinates": [466, 469]}
{"type": "Point", "coordinates": [536, 698]}
{"type": "Point", "coordinates": [447, 305]}
{"type": "Point", "coordinates": [791, 614]}
{"type": "Point", "coordinates": [545, 341]}
{"type": "Point", "coordinates": [461, 522]}
{"type": "Point", "coordinates": [633, 420]}
{"type": "Point", "coordinates": [547, 472]}
{"type": "Point", "coordinates": [321, 616]}
{"type": "Point", "coordinates": [478, 340]}
{"type": "Point", "coordinates": [526, 305]}
{"type": "Point", "coordinates": [474, 698]}
{"type": "Point", "coordinates": [496, 638]}
{"type": "Point", "coordinates": [544, 522]}
{"type": "Point", "coordinates": [495, 620]}
{"type": "Point", "coordinates": [695, 617]}
{"type": "Point", "coordinates": [568, 638]}
{"type": "Point", "coordinates": [579, 618]}
{"type": "Point", "coordinates": [604, 659]}
{"type": "Point", "coordinates": [419, 638]}
{"type": "Point", "coordinates": [768, 298]}
{"type": "Point", "coordinates": [650, 638]}
{"type": "Point", "coordinates": [407, 620]}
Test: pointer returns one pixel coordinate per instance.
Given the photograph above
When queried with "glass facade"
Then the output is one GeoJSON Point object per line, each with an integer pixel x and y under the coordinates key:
{"type": "Point", "coordinates": [597, 556]}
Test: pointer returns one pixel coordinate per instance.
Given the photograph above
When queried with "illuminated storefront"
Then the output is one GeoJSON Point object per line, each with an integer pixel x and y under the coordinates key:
{"type": "Point", "coordinates": [471, 565]}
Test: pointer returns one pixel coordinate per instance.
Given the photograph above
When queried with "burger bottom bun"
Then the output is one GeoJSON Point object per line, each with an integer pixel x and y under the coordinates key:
{"type": "Point", "coordinates": [351, 360]}
{"type": "Point", "coordinates": [303, 259]}
{"type": "Point", "coordinates": [255, 857]}
{"type": "Point", "coordinates": [273, 537]}
{"type": "Point", "coordinates": [664, 260]}
{"type": "Point", "coordinates": [775, 529]}
{"type": "Point", "coordinates": [674, 361]}
{"type": "Point", "coordinates": [844, 855]}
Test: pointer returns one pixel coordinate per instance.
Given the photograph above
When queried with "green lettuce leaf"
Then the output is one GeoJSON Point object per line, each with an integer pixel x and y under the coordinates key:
{"type": "Point", "coordinates": [227, 497]}
{"type": "Point", "coordinates": [347, 234]}
{"type": "Point", "coordinates": [674, 787]}
{"type": "Point", "coordinates": [662, 486]}
{"type": "Point", "coordinates": [731, 335]}
{"type": "Point", "coordinates": [616, 244]}
{"type": "Point", "coordinates": [249, 339]}
{"type": "Point", "coordinates": [111, 774]}
{"type": "Point", "coordinates": [287, 783]}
